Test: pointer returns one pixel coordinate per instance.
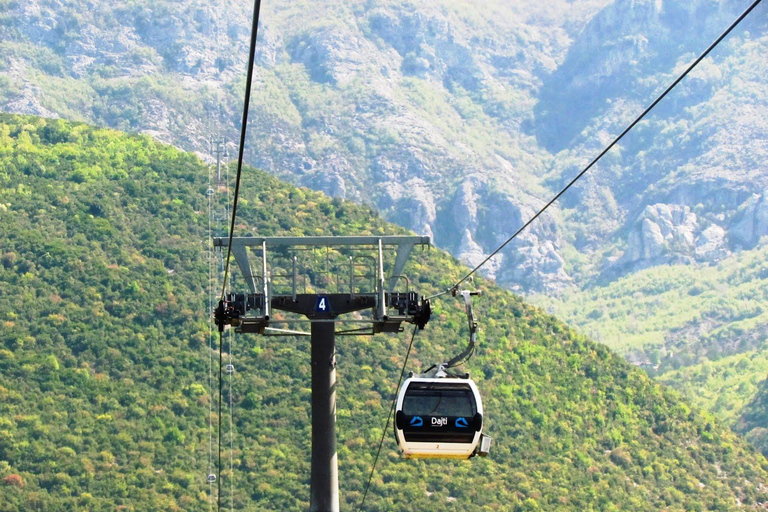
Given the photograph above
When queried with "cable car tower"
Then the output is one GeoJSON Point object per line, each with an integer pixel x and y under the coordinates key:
{"type": "Point", "coordinates": [321, 279]}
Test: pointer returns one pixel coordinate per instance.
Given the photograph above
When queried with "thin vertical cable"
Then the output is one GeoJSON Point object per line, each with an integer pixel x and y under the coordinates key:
{"type": "Point", "coordinates": [211, 294]}
{"type": "Point", "coordinates": [218, 480]}
{"type": "Point", "coordinates": [231, 371]}
{"type": "Point", "coordinates": [230, 220]}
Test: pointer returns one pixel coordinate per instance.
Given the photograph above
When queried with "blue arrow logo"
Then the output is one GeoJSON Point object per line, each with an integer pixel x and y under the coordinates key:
{"type": "Point", "coordinates": [461, 423]}
{"type": "Point", "coordinates": [416, 421]}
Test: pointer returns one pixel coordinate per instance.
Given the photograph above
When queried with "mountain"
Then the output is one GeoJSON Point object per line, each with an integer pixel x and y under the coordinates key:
{"type": "Point", "coordinates": [107, 356]}
{"type": "Point", "coordinates": [687, 185]}
{"type": "Point", "coordinates": [453, 122]}
{"type": "Point", "coordinates": [414, 108]}
{"type": "Point", "coordinates": [460, 123]}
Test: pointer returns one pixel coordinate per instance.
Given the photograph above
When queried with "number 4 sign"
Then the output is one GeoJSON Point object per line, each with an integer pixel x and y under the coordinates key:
{"type": "Point", "coordinates": [323, 304]}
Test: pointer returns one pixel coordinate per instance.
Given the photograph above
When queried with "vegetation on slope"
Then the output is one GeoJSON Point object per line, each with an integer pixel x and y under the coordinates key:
{"type": "Point", "coordinates": [700, 328]}
{"type": "Point", "coordinates": [455, 120]}
{"type": "Point", "coordinates": [676, 315]}
{"type": "Point", "coordinates": [104, 359]}
{"type": "Point", "coordinates": [731, 388]}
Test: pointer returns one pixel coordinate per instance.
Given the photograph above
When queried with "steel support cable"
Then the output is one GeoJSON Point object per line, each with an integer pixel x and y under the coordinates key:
{"type": "Point", "coordinates": [389, 415]}
{"type": "Point", "coordinates": [607, 148]}
{"type": "Point", "coordinates": [218, 480]}
{"type": "Point", "coordinates": [211, 294]}
{"type": "Point", "coordinates": [220, 399]}
{"type": "Point", "coordinates": [231, 373]}
{"type": "Point", "coordinates": [243, 129]}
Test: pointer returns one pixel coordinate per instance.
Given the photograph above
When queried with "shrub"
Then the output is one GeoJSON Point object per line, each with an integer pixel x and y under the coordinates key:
{"type": "Point", "coordinates": [14, 480]}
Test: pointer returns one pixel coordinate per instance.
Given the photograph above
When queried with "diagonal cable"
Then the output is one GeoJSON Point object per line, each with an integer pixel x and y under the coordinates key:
{"type": "Point", "coordinates": [607, 148]}
{"type": "Point", "coordinates": [243, 128]}
{"type": "Point", "coordinates": [389, 415]}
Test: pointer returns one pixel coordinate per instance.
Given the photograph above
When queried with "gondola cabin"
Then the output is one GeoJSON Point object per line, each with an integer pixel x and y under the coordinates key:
{"type": "Point", "coordinates": [438, 417]}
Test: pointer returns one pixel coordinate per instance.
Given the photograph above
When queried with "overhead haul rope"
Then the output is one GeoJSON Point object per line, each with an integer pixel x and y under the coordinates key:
{"type": "Point", "coordinates": [604, 151]}
{"type": "Point", "coordinates": [389, 415]}
{"type": "Point", "coordinates": [243, 128]}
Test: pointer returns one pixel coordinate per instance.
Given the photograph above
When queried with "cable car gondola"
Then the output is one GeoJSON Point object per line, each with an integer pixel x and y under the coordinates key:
{"type": "Point", "coordinates": [439, 417]}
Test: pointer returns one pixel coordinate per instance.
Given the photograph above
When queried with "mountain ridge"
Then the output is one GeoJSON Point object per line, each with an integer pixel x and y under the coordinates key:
{"type": "Point", "coordinates": [433, 113]}
{"type": "Point", "coordinates": [106, 254]}
{"type": "Point", "coordinates": [404, 107]}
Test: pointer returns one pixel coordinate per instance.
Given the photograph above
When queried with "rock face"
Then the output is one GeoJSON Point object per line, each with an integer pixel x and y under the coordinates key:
{"type": "Point", "coordinates": [413, 205]}
{"type": "Point", "coordinates": [334, 55]}
{"type": "Point", "coordinates": [711, 243]}
{"type": "Point", "coordinates": [538, 260]}
{"type": "Point", "coordinates": [666, 233]}
{"type": "Point", "coordinates": [662, 230]}
{"type": "Point", "coordinates": [752, 222]}
{"type": "Point", "coordinates": [621, 47]}
{"type": "Point", "coordinates": [485, 218]}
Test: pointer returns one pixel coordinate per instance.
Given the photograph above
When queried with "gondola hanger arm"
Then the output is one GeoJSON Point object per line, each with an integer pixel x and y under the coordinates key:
{"type": "Point", "coordinates": [467, 295]}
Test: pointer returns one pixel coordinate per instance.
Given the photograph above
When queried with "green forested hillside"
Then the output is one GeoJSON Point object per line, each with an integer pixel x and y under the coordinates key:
{"type": "Point", "coordinates": [459, 123]}
{"type": "Point", "coordinates": [677, 315]}
{"type": "Point", "coordinates": [104, 363]}
{"type": "Point", "coordinates": [700, 328]}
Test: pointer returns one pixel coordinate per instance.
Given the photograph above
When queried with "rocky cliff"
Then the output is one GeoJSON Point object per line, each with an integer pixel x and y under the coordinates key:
{"type": "Point", "coordinates": [405, 107]}
{"type": "Point", "coordinates": [453, 121]}
{"type": "Point", "coordinates": [685, 185]}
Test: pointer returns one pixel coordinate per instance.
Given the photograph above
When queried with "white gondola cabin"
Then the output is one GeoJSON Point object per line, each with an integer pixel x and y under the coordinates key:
{"type": "Point", "coordinates": [440, 417]}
